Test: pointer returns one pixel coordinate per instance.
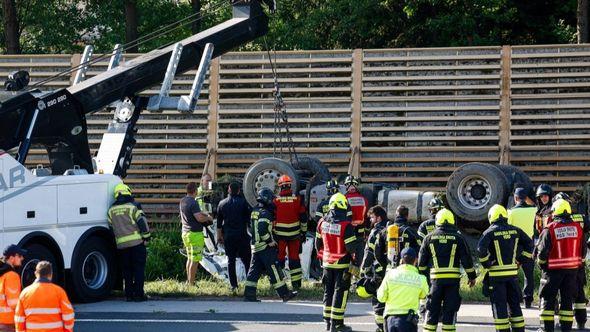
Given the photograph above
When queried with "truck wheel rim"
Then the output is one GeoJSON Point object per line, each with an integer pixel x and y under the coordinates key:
{"type": "Point", "coordinates": [474, 192]}
{"type": "Point", "coordinates": [95, 270]}
{"type": "Point", "coordinates": [28, 272]}
{"type": "Point", "coordinates": [267, 178]}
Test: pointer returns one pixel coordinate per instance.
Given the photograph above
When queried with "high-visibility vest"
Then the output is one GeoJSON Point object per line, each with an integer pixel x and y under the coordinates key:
{"type": "Point", "coordinates": [123, 220]}
{"type": "Point", "coordinates": [523, 218]}
{"type": "Point", "coordinates": [334, 252]}
{"type": "Point", "coordinates": [10, 288]}
{"type": "Point", "coordinates": [44, 307]}
{"type": "Point", "coordinates": [359, 206]}
{"type": "Point", "coordinates": [566, 245]}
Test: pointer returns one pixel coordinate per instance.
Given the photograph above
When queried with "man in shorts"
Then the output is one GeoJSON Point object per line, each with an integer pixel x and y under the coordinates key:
{"type": "Point", "coordinates": [193, 222]}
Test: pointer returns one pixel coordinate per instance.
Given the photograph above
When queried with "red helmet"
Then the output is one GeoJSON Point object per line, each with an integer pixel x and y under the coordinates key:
{"type": "Point", "coordinates": [284, 180]}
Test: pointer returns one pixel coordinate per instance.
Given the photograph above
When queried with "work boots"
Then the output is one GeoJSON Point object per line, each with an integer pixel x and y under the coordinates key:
{"type": "Point", "coordinates": [289, 296]}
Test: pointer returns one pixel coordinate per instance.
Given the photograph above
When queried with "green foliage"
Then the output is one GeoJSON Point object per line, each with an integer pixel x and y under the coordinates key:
{"type": "Point", "coordinates": [65, 26]}
{"type": "Point", "coordinates": [164, 261]}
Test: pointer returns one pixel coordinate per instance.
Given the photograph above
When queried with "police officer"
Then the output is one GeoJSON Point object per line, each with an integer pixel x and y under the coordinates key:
{"type": "Point", "coordinates": [129, 224]}
{"type": "Point", "coordinates": [499, 249]}
{"type": "Point", "coordinates": [426, 227]}
{"type": "Point", "coordinates": [560, 255]}
{"type": "Point", "coordinates": [264, 252]}
{"type": "Point", "coordinates": [374, 263]}
{"type": "Point", "coordinates": [336, 242]}
{"type": "Point", "coordinates": [290, 227]}
{"type": "Point", "coordinates": [401, 291]}
{"type": "Point", "coordinates": [523, 216]}
{"type": "Point", "coordinates": [544, 196]}
{"type": "Point", "coordinates": [443, 252]}
{"type": "Point", "coordinates": [407, 235]}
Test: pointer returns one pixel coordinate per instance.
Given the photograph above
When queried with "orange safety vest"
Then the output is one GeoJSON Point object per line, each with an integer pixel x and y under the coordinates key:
{"type": "Point", "coordinates": [44, 307]}
{"type": "Point", "coordinates": [9, 291]}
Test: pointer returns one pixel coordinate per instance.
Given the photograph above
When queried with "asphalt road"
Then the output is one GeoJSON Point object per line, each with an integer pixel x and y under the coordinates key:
{"type": "Point", "coordinates": [214, 316]}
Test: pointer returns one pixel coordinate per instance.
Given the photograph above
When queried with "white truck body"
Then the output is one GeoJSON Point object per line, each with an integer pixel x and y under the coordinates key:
{"type": "Point", "coordinates": [65, 209]}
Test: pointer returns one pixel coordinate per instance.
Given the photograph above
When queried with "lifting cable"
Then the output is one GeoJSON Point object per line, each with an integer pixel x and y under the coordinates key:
{"type": "Point", "coordinates": [195, 17]}
{"type": "Point", "coordinates": [281, 118]}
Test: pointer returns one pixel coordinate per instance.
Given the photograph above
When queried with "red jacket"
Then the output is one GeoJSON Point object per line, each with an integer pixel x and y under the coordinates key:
{"type": "Point", "coordinates": [566, 252]}
{"type": "Point", "coordinates": [359, 207]}
{"type": "Point", "coordinates": [290, 219]}
{"type": "Point", "coordinates": [335, 241]}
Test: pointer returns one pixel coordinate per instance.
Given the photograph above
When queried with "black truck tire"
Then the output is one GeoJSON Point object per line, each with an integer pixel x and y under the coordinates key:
{"type": "Point", "coordinates": [312, 166]}
{"type": "Point", "coordinates": [517, 178]}
{"type": "Point", "coordinates": [472, 190]}
{"type": "Point", "coordinates": [35, 253]}
{"type": "Point", "coordinates": [265, 173]}
{"type": "Point", "coordinates": [93, 271]}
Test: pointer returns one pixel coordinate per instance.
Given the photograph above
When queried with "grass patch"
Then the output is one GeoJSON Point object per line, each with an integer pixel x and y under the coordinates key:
{"type": "Point", "coordinates": [211, 288]}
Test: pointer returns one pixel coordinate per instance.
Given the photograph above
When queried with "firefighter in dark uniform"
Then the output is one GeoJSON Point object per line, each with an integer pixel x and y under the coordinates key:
{"type": "Point", "coordinates": [374, 264]}
{"type": "Point", "coordinates": [561, 250]}
{"type": "Point", "coordinates": [324, 206]}
{"type": "Point", "coordinates": [264, 250]}
{"type": "Point", "coordinates": [130, 227]}
{"type": "Point", "coordinates": [443, 252]}
{"type": "Point", "coordinates": [336, 242]}
{"type": "Point", "coordinates": [544, 196]}
{"type": "Point", "coordinates": [426, 227]}
{"type": "Point", "coordinates": [499, 249]}
{"type": "Point", "coordinates": [409, 238]}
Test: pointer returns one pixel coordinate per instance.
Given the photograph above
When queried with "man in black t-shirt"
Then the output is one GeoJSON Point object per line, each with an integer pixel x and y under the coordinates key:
{"type": "Point", "coordinates": [233, 217]}
{"type": "Point", "coordinates": [193, 221]}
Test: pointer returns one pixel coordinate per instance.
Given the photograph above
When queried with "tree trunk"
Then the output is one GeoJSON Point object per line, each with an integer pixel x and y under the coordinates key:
{"type": "Point", "coordinates": [11, 29]}
{"type": "Point", "coordinates": [582, 16]}
{"type": "Point", "coordinates": [196, 26]}
{"type": "Point", "coordinates": [131, 25]}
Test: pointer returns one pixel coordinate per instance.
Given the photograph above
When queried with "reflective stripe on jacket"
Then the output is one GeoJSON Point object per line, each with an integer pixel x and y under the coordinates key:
{"type": "Point", "coordinates": [123, 220]}
{"type": "Point", "coordinates": [561, 245]}
{"type": "Point", "coordinates": [289, 214]}
{"type": "Point", "coordinates": [10, 288]}
{"type": "Point", "coordinates": [401, 290]}
{"type": "Point", "coordinates": [500, 248]}
{"type": "Point", "coordinates": [44, 307]}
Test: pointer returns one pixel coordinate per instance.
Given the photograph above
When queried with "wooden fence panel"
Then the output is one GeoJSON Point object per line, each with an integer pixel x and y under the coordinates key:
{"type": "Point", "coordinates": [413, 115]}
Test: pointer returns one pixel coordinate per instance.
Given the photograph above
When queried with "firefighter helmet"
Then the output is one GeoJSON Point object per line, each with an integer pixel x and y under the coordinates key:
{"type": "Point", "coordinates": [544, 189]}
{"type": "Point", "coordinates": [561, 207]}
{"type": "Point", "coordinates": [435, 205]}
{"type": "Point", "coordinates": [265, 196]}
{"type": "Point", "coordinates": [332, 187]}
{"type": "Point", "coordinates": [361, 291]}
{"type": "Point", "coordinates": [338, 201]}
{"type": "Point", "coordinates": [496, 212]}
{"type": "Point", "coordinates": [562, 195]}
{"type": "Point", "coordinates": [122, 189]}
{"type": "Point", "coordinates": [352, 180]}
{"type": "Point", "coordinates": [284, 181]}
{"type": "Point", "coordinates": [444, 216]}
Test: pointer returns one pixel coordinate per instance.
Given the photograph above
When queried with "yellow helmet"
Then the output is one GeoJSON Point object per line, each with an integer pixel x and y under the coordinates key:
{"type": "Point", "coordinates": [361, 291]}
{"type": "Point", "coordinates": [560, 207]}
{"type": "Point", "coordinates": [122, 189]}
{"type": "Point", "coordinates": [338, 201]}
{"type": "Point", "coordinates": [444, 216]}
{"type": "Point", "coordinates": [496, 212]}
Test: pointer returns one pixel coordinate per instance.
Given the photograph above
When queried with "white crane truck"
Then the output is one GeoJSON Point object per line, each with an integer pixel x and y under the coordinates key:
{"type": "Point", "coordinates": [59, 213]}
